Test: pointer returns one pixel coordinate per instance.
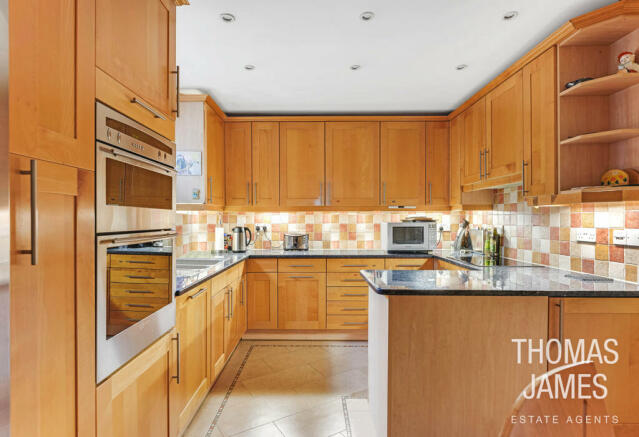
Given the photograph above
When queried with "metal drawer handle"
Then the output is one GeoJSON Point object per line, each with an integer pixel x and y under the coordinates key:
{"type": "Point", "coordinates": [355, 265]}
{"type": "Point", "coordinates": [200, 291]}
{"type": "Point", "coordinates": [139, 277]}
{"type": "Point", "coordinates": [33, 173]}
{"type": "Point", "coordinates": [139, 291]}
{"type": "Point", "coordinates": [409, 265]}
{"type": "Point", "coordinates": [352, 280]}
{"type": "Point", "coordinates": [355, 323]}
{"type": "Point", "coordinates": [133, 320]}
{"type": "Point", "coordinates": [177, 91]}
{"type": "Point", "coordinates": [138, 305]}
{"type": "Point", "coordinates": [139, 262]}
{"type": "Point", "coordinates": [300, 265]}
{"type": "Point", "coordinates": [561, 320]}
{"type": "Point", "coordinates": [353, 294]}
{"type": "Point", "coordinates": [523, 176]}
{"type": "Point", "coordinates": [155, 113]}
{"type": "Point", "coordinates": [177, 338]}
{"type": "Point", "coordinates": [301, 277]}
{"type": "Point", "coordinates": [354, 309]}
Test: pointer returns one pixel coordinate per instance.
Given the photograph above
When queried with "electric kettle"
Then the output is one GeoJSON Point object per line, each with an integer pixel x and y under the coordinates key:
{"type": "Point", "coordinates": [240, 239]}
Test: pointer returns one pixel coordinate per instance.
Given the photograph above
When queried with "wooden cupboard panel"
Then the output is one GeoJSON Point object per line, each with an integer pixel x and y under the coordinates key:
{"type": "Point", "coordinates": [353, 279]}
{"type": "Point", "coordinates": [301, 301]}
{"type": "Point", "coordinates": [217, 354]}
{"type": "Point", "coordinates": [301, 265]}
{"type": "Point", "coordinates": [346, 307]}
{"type": "Point", "coordinates": [237, 153]}
{"type": "Point", "coordinates": [540, 125]}
{"type": "Point", "coordinates": [409, 263]}
{"type": "Point", "coordinates": [262, 300]}
{"type": "Point", "coordinates": [266, 163]}
{"type": "Point", "coordinates": [261, 265]}
{"type": "Point", "coordinates": [473, 142]}
{"type": "Point", "coordinates": [134, 401]}
{"type": "Point", "coordinates": [504, 128]}
{"type": "Point", "coordinates": [302, 164]}
{"type": "Point", "coordinates": [135, 45]}
{"type": "Point", "coordinates": [52, 86]}
{"type": "Point", "coordinates": [353, 264]}
{"type": "Point", "coordinates": [347, 322]}
{"type": "Point", "coordinates": [456, 139]}
{"type": "Point", "coordinates": [437, 164]}
{"type": "Point", "coordinates": [352, 163]}
{"type": "Point", "coordinates": [403, 163]}
{"type": "Point", "coordinates": [214, 134]}
{"type": "Point", "coordinates": [347, 293]}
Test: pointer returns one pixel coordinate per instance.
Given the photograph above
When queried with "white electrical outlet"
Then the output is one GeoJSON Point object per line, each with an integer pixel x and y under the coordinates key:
{"type": "Point", "coordinates": [587, 235]}
{"type": "Point", "coordinates": [632, 237]}
{"type": "Point", "coordinates": [619, 237]}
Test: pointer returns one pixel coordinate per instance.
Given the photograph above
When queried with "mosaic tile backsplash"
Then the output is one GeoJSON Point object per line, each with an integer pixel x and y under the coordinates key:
{"type": "Point", "coordinates": [540, 235]}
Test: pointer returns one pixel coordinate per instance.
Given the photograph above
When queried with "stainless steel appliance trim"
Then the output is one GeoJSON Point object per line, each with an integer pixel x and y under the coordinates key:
{"type": "Point", "coordinates": [33, 175]}
{"type": "Point", "coordinates": [133, 157]}
{"type": "Point", "coordinates": [139, 238]}
{"type": "Point", "coordinates": [148, 107]}
{"type": "Point", "coordinates": [177, 367]}
{"type": "Point", "coordinates": [176, 111]}
{"type": "Point", "coordinates": [200, 291]}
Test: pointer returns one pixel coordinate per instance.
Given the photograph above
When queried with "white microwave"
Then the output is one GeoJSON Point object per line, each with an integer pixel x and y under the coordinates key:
{"type": "Point", "coordinates": [409, 236]}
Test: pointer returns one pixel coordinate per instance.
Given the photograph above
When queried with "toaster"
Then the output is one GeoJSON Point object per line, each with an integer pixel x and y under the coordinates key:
{"type": "Point", "coordinates": [295, 241]}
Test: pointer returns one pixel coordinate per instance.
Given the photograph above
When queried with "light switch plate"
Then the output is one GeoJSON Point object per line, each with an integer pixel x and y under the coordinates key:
{"type": "Point", "coordinates": [632, 237]}
{"type": "Point", "coordinates": [587, 235]}
{"type": "Point", "coordinates": [619, 237]}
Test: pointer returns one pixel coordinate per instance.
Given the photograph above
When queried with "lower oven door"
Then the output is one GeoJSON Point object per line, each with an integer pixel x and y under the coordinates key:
{"type": "Point", "coordinates": [132, 193]}
{"type": "Point", "coordinates": [135, 286]}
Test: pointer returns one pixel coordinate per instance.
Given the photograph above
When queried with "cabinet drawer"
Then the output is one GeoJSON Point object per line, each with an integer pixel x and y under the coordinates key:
{"type": "Point", "coordinates": [409, 263]}
{"type": "Point", "coordinates": [354, 264]}
{"type": "Point", "coordinates": [145, 261]}
{"type": "Point", "coordinates": [147, 276]}
{"type": "Point", "coordinates": [345, 280]}
{"type": "Point", "coordinates": [150, 304]}
{"type": "Point", "coordinates": [347, 322]}
{"type": "Point", "coordinates": [120, 320]}
{"type": "Point", "coordinates": [261, 265]}
{"type": "Point", "coordinates": [346, 307]}
{"type": "Point", "coordinates": [301, 265]}
{"type": "Point", "coordinates": [223, 279]}
{"type": "Point", "coordinates": [139, 290]}
{"type": "Point", "coordinates": [347, 293]}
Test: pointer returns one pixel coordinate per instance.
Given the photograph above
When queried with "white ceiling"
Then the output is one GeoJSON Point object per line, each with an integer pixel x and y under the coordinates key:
{"type": "Point", "coordinates": [302, 50]}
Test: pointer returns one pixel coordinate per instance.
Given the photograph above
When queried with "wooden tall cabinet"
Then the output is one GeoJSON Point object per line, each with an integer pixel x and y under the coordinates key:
{"type": "Point", "coordinates": [52, 332]}
{"type": "Point", "coordinates": [473, 140]}
{"type": "Point", "coordinates": [403, 163]}
{"type": "Point", "coordinates": [262, 300]}
{"type": "Point", "coordinates": [266, 163]}
{"type": "Point", "coordinates": [540, 125]}
{"type": "Point", "coordinates": [456, 159]}
{"type": "Point", "coordinates": [437, 167]}
{"type": "Point", "coordinates": [352, 163]}
{"type": "Point", "coordinates": [301, 300]}
{"type": "Point", "coordinates": [214, 134]}
{"type": "Point", "coordinates": [302, 164]}
{"type": "Point", "coordinates": [52, 86]}
{"type": "Point", "coordinates": [135, 56]}
{"type": "Point", "coordinates": [237, 146]}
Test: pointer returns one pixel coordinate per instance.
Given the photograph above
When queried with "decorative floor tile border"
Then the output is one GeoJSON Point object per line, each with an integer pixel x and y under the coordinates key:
{"type": "Point", "coordinates": [209, 433]}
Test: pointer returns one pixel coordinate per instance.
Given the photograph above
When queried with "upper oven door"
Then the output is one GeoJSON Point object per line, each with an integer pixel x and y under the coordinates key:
{"type": "Point", "coordinates": [132, 193]}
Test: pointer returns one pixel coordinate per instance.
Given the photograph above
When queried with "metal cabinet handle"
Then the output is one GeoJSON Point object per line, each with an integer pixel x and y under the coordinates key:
{"type": "Point", "coordinates": [354, 309]}
{"type": "Point", "coordinates": [243, 289]}
{"type": "Point", "coordinates": [200, 291]}
{"type": "Point", "coordinates": [301, 277]}
{"type": "Point", "coordinates": [328, 193]}
{"type": "Point", "coordinates": [133, 320]}
{"type": "Point", "coordinates": [300, 265]}
{"type": "Point", "coordinates": [33, 173]}
{"type": "Point", "coordinates": [481, 173]}
{"type": "Point", "coordinates": [321, 198]}
{"type": "Point", "coordinates": [155, 113]}
{"type": "Point", "coordinates": [139, 277]}
{"type": "Point", "coordinates": [353, 294]}
{"type": "Point", "coordinates": [177, 90]}
{"type": "Point", "coordinates": [355, 265]}
{"type": "Point", "coordinates": [524, 164]}
{"type": "Point", "coordinates": [255, 193]}
{"type": "Point", "coordinates": [355, 323]}
{"type": "Point", "coordinates": [231, 304]}
{"type": "Point", "coordinates": [139, 291]}
{"type": "Point", "coordinates": [561, 320]}
{"type": "Point", "coordinates": [177, 376]}
{"type": "Point", "coordinates": [138, 262]}
{"type": "Point", "coordinates": [383, 193]}
{"type": "Point", "coordinates": [352, 280]}
{"type": "Point", "coordinates": [138, 305]}
{"type": "Point", "coordinates": [486, 163]}
{"type": "Point", "coordinates": [248, 193]}
{"type": "Point", "coordinates": [210, 189]}
{"type": "Point", "coordinates": [430, 193]}
{"type": "Point", "coordinates": [409, 265]}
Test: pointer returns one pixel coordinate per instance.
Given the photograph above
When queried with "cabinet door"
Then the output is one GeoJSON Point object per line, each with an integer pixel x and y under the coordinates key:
{"type": "Point", "coordinates": [230, 321]}
{"type": "Point", "coordinates": [218, 314]}
{"type": "Point", "coordinates": [437, 168]}
{"type": "Point", "coordinates": [52, 86]}
{"type": "Point", "coordinates": [601, 319]}
{"type": "Point", "coordinates": [302, 164]}
{"type": "Point", "coordinates": [473, 142]}
{"type": "Point", "coordinates": [242, 322]}
{"type": "Point", "coordinates": [403, 162]}
{"type": "Point", "coordinates": [214, 134]}
{"type": "Point", "coordinates": [540, 125]}
{"type": "Point", "coordinates": [135, 45]}
{"type": "Point", "coordinates": [237, 153]}
{"type": "Point", "coordinates": [301, 300]}
{"type": "Point", "coordinates": [352, 163]}
{"type": "Point", "coordinates": [504, 128]}
{"type": "Point", "coordinates": [134, 401]}
{"type": "Point", "coordinates": [192, 323]}
{"type": "Point", "coordinates": [266, 163]}
{"type": "Point", "coordinates": [262, 300]}
{"type": "Point", "coordinates": [456, 135]}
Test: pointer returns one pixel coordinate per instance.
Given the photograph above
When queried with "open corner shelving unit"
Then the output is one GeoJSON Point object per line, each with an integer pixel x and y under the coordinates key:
{"type": "Point", "coordinates": [598, 119]}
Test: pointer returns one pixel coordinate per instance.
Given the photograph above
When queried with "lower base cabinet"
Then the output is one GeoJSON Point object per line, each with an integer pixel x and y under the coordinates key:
{"type": "Point", "coordinates": [261, 295]}
{"type": "Point", "coordinates": [218, 316]}
{"type": "Point", "coordinates": [301, 300]}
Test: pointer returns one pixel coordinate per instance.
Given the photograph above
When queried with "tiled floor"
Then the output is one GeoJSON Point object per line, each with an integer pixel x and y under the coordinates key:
{"type": "Point", "coordinates": [287, 389]}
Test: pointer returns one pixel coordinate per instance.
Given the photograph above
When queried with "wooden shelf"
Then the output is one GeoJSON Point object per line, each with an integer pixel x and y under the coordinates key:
{"type": "Point", "coordinates": [603, 32]}
{"type": "Point", "coordinates": [609, 136]}
{"type": "Point", "coordinates": [603, 86]}
{"type": "Point", "coordinates": [589, 195]}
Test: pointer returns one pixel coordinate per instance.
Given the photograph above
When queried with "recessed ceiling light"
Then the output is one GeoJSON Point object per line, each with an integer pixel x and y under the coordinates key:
{"type": "Point", "coordinates": [249, 67]}
{"type": "Point", "coordinates": [227, 18]}
{"type": "Point", "coordinates": [355, 67]}
{"type": "Point", "coordinates": [461, 67]}
{"type": "Point", "coordinates": [367, 16]}
{"type": "Point", "coordinates": [510, 15]}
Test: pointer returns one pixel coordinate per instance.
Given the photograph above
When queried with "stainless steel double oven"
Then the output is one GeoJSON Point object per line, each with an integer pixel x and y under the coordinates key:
{"type": "Point", "coordinates": [135, 227]}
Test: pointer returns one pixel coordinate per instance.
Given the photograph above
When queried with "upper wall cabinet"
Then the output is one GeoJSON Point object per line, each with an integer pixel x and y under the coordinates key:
{"type": "Point", "coordinates": [52, 70]}
{"type": "Point", "coordinates": [135, 56]}
{"type": "Point", "coordinates": [403, 163]}
{"type": "Point", "coordinates": [456, 139]}
{"type": "Point", "coordinates": [266, 164]}
{"type": "Point", "coordinates": [237, 146]}
{"type": "Point", "coordinates": [301, 164]}
{"type": "Point", "coordinates": [437, 168]}
{"type": "Point", "coordinates": [352, 163]}
{"type": "Point", "coordinates": [214, 132]}
{"type": "Point", "coordinates": [473, 144]}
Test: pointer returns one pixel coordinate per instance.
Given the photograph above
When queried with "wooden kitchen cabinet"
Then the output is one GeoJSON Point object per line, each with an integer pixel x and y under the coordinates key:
{"type": "Point", "coordinates": [231, 300]}
{"type": "Point", "coordinates": [242, 305]}
{"type": "Point", "coordinates": [52, 86]}
{"type": "Point", "coordinates": [262, 300]}
{"type": "Point", "coordinates": [215, 175]}
{"type": "Point", "coordinates": [455, 167]}
{"type": "Point", "coordinates": [192, 323]}
{"type": "Point", "coordinates": [266, 164]}
{"type": "Point", "coordinates": [301, 300]}
{"type": "Point", "coordinates": [504, 129]}
{"type": "Point", "coordinates": [302, 164]}
{"type": "Point", "coordinates": [403, 163]}
{"type": "Point", "coordinates": [473, 142]}
{"type": "Point", "coordinates": [437, 168]}
{"type": "Point", "coordinates": [540, 125]}
{"type": "Point", "coordinates": [135, 56]}
{"type": "Point", "coordinates": [218, 316]}
{"type": "Point", "coordinates": [237, 152]}
{"type": "Point", "coordinates": [352, 163]}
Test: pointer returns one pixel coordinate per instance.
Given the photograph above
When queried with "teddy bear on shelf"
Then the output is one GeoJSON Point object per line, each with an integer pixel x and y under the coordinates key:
{"type": "Point", "coordinates": [627, 63]}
